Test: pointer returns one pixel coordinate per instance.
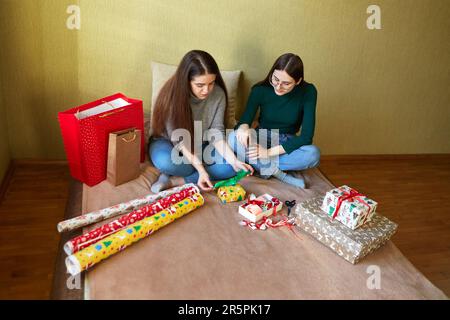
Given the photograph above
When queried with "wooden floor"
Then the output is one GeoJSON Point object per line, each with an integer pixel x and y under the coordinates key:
{"type": "Point", "coordinates": [415, 193]}
{"type": "Point", "coordinates": [34, 203]}
{"type": "Point", "coordinates": [412, 191]}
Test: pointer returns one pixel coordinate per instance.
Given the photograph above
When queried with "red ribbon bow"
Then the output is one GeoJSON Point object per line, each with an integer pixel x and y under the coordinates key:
{"type": "Point", "coordinates": [351, 195]}
{"type": "Point", "coordinates": [271, 204]}
{"type": "Point", "coordinates": [254, 201]}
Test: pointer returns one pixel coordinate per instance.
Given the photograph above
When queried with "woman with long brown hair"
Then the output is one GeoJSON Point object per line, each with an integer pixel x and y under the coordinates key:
{"type": "Point", "coordinates": [286, 103]}
{"type": "Point", "coordinates": [195, 96]}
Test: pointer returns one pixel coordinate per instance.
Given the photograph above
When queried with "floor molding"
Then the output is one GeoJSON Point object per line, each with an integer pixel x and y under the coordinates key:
{"type": "Point", "coordinates": [442, 156]}
{"type": "Point", "coordinates": [14, 163]}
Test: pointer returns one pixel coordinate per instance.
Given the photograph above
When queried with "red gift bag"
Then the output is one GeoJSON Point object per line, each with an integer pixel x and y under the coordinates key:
{"type": "Point", "coordinates": [85, 131]}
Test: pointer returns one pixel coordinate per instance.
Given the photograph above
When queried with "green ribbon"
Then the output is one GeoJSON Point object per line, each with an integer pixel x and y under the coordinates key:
{"type": "Point", "coordinates": [232, 181]}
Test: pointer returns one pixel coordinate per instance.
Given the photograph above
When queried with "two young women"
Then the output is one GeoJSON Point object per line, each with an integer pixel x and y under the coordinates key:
{"type": "Point", "coordinates": [196, 95]}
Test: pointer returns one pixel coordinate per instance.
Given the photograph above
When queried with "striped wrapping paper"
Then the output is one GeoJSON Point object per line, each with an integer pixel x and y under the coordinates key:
{"type": "Point", "coordinates": [110, 212]}
{"type": "Point", "coordinates": [102, 232]}
{"type": "Point", "coordinates": [86, 258]}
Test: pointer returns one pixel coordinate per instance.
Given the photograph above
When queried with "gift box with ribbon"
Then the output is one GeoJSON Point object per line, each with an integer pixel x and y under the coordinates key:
{"type": "Point", "coordinates": [257, 208]}
{"type": "Point", "coordinates": [348, 206]}
{"type": "Point", "coordinates": [352, 245]}
{"type": "Point", "coordinates": [231, 193]}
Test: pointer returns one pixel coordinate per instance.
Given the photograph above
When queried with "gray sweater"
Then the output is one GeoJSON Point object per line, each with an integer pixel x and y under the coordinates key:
{"type": "Point", "coordinates": [211, 113]}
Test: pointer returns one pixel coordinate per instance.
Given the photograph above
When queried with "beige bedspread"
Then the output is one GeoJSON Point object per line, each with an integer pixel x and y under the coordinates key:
{"type": "Point", "coordinates": [208, 255]}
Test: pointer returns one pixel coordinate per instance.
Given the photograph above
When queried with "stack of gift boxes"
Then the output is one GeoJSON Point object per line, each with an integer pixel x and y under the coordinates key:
{"type": "Point", "coordinates": [345, 221]}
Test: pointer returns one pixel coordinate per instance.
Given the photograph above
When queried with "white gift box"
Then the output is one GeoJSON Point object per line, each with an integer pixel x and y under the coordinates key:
{"type": "Point", "coordinates": [353, 212]}
{"type": "Point", "coordinates": [264, 213]}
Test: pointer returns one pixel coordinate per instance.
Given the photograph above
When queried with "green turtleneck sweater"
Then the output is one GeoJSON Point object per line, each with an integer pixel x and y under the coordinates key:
{"type": "Point", "coordinates": [287, 113]}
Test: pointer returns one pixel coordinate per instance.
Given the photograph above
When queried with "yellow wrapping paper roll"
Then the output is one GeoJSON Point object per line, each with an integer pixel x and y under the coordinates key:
{"type": "Point", "coordinates": [86, 258]}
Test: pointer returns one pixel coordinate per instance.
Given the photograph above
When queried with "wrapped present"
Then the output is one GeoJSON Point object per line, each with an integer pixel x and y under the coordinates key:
{"type": "Point", "coordinates": [348, 206]}
{"type": "Point", "coordinates": [231, 193]}
{"type": "Point", "coordinates": [257, 208]}
{"type": "Point", "coordinates": [352, 245]}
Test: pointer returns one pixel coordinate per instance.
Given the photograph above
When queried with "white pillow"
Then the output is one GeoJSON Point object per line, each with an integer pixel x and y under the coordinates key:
{"type": "Point", "coordinates": [162, 72]}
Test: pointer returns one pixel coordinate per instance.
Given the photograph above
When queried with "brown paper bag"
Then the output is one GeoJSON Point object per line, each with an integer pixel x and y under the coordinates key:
{"type": "Point", "coordinates": [124, 152]}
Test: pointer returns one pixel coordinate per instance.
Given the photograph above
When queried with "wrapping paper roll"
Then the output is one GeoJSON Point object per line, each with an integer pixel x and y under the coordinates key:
{"type": "Point", "coordinates": [86, 258]}
{"type": "Point", "coordinates": [85, 240]}
{"type": "Point", "coordinates": [110, 212]}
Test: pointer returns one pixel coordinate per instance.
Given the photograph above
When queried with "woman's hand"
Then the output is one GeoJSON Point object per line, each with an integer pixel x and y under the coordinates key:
{"type": "Point", "coordinates": [239, 165]}
{"type": "Point", "coordinates": [257, 152]}
{"type": "Point", "coordinates": [243, 134]}
{"type": "Point", "coordinates": [204, 182]}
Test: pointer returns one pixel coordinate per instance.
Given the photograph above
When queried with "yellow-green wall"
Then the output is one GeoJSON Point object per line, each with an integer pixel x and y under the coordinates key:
{"type": "Point", "coordinates": [380, 91]}
{"type": "Point", "coordinates": [39, 59]}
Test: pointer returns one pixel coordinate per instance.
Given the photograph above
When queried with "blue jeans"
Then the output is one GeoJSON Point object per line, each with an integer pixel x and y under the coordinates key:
{"type": "Point", "coordinates": [160, 151]}
{"type": "Point", "coordinates": [305, 157]}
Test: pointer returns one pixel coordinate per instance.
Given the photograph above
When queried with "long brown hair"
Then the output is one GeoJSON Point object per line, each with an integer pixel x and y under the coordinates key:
{"type": "Point", "coordinates": [173, 102]}
{"type": "Point", "coordinates": [289, 62]}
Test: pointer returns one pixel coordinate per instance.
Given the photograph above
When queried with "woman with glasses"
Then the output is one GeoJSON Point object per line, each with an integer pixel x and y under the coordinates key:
{"type": "Point", "coordinates": [286, 103]}
{"type": "Point", "coordinates": [195, 95]}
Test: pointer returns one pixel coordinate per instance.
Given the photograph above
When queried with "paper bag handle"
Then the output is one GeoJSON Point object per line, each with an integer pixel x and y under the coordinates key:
{"type": "Point", "coordinates": [109, 113]}
{"type": "Point", "coordinates": [130, 140]}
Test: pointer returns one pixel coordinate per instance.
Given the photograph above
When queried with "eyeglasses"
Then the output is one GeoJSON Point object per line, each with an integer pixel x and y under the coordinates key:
{"type": "Point", "coordinates": [275, 82]}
